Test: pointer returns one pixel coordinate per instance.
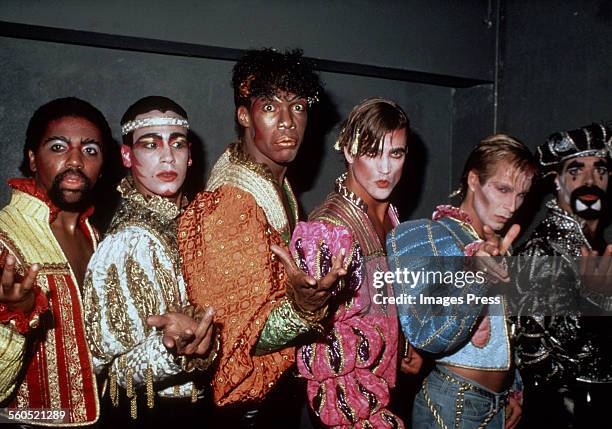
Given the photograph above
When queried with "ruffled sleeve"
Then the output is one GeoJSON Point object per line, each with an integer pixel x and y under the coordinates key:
{"type": "Point", "coordinates": [424, 246]}
{"type": "Point", "coordinates": [345, 369]}
{"type": "Point", "coordinates": [12, 350]}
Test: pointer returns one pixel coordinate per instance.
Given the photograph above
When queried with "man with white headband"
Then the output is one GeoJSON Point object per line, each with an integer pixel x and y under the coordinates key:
{"type": "Point", "coordinates": [566, 359]}
{"type": "Point", "coordinates": [134, 283]}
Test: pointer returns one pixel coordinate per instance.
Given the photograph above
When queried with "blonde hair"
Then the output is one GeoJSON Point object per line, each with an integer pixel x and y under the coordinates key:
{"type": "Point", "coordinates": [486, 154]}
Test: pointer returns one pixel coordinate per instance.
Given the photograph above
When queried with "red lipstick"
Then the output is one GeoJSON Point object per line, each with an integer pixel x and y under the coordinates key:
{"type": "Point", "coordinates": [167, 176]}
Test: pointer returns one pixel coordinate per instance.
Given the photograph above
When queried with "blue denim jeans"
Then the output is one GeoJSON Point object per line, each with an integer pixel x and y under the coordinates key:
{"type": "Point", "coordinates": [457, 402]}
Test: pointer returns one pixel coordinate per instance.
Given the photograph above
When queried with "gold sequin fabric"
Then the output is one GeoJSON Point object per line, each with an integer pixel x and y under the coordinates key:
{"type": "Point", "coordinates": [235, 168]}
{"type": "Point", "coordinates": [224, 241]}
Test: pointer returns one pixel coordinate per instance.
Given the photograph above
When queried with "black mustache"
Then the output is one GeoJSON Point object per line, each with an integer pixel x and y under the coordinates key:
{"type": "Point", "coordinates": [589, 190]}
{"type": "Point", "coordinates": [78, 172]}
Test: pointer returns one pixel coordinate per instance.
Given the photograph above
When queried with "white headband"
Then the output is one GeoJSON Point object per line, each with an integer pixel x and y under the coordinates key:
{"type": "Point", "coordinates": [130, 126]}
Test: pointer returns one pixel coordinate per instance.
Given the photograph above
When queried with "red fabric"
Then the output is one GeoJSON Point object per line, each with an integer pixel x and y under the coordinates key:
{"type": "Point", "coordinates": [30, 187]}
{"type": "Point", "coordinates": [75, 387]}
{"type": "Point", "coordinates": [19, 318]}
{"type": "Point", "coordinates": [59, 374]}
{"type": "Point", "coordinates": [59, 341]}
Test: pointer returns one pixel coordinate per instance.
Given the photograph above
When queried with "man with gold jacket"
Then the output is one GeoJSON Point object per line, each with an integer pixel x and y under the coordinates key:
{"type": "Point", "coordinates": [46, 241]}
{"type": "Point", "coordinates": [134, 283]}
{"type": "Point", "coordinates": [230, 236]}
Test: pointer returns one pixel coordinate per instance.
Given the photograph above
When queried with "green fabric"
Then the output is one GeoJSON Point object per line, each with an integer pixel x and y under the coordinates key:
{"type": "Point", "coordinates": [282, 327]}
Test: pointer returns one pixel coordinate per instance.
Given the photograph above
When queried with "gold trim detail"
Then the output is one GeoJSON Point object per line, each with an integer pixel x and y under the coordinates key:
{"type": "Point", "coordinates": [161, 206]}
{"type": "Point", "coordinates": [93, 316]}
{"type": "Point", "coordinates": [232, 170]}
{"type": "Point", "coordinates": [142, 291]}
{"type": "Point", "coordinates": [168, 283]}
{"type": "Point", "coordinates": [116, 311]}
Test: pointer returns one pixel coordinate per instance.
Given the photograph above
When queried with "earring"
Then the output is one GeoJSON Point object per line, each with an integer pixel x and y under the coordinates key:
{"type": "Point", "coordinates": [189, 163]}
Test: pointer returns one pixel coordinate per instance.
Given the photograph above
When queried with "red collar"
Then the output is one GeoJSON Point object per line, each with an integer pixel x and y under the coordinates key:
{"type": "Point", "coordinates": [450, 211]}
{"type": "Point", "coordinates": [29, 187]}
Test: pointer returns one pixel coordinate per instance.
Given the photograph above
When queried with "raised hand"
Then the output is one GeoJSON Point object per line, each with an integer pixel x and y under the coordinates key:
{"type": "Point", "coordinates": [513, 413]}
{"type": "Point", "coordinates": [182, 335]}
{"type": "Point", "coordinates": [308, 293]}
{"type": "Point", "coordinates": [17, 295]}
{"type": "Point", "coordinates": [494, 245]}
{"type": "Point", "coordinates": [596, 272]}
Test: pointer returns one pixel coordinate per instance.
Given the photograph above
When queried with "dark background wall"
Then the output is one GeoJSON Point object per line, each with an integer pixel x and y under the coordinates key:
{"type": "Point", "coordinates": [454, 70]}
{"type": "Point", "coordinates": [555, 68]}
{"type": "Point", "coordinates": [401, 36]}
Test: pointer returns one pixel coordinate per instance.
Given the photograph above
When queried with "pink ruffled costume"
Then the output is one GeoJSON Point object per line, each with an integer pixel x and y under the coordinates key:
{"type": "Point", "coordinates": [350, 372]}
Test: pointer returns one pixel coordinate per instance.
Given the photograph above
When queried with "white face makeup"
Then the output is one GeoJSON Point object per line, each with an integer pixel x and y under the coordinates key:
{"type": "Point", "coordinates": [378, 174]}
{"type": "Point", "coordinates": [501, 195]}
{"type": "Point", "coordinates": [582, 186]}
{"type": "Point", "coordinates": [158, 157]}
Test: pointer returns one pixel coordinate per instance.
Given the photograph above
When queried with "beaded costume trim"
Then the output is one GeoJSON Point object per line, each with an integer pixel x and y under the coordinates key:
{"type": "Point", "coordinates": [236, 168]}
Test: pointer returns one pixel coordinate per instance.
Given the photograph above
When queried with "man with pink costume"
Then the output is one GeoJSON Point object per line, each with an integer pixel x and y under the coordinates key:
{"type": "Point", "coordinates": [351, 370]}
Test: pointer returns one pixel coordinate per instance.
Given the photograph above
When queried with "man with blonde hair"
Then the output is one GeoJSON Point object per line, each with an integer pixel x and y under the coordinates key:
{"type": "Point", "coordinates": [470, 383]}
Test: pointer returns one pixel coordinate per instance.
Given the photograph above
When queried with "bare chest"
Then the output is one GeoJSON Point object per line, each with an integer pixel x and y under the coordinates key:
{"type": "Point", "coordinates": [77, 249]}
{"type": "Point", "coordinates": [381, 228]}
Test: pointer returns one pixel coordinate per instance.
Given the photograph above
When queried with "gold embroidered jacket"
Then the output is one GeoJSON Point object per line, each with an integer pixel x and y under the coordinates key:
{"type": "Point", "coordinates": [224, 240]}
{"type": "Point", "coordinates": [57, 368]}
{"type": "Point", "coordinates": [134, 274]}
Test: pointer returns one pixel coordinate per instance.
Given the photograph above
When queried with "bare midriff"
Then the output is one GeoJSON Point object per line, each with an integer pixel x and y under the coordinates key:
{"type": "Point", "coordinates": [496, 381]}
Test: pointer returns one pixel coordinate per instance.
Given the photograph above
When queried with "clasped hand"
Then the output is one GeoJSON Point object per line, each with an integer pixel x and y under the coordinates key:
{"type": "Point", "coordinates": [182, 335]}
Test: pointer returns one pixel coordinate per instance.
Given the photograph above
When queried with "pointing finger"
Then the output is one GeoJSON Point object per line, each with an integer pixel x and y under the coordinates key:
{"type": "Point", "coordinates": [8, 273]}
{"type": "Point", "coordinates": [157, 321]}
{"type": "Point", "coordinates": [285, 258]}
{"type": "Point", "coordinates": [489, 235]}
{"type": "Point", "coordinates": [30, 278]}
{"type": "Point", "coordinates": [509, 238]}
{"type": "Point", "coordinates": [205, 324]}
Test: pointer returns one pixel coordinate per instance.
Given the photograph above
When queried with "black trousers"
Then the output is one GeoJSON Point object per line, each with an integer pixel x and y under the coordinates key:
{"type": "Point", "coordinates": [282, 408]}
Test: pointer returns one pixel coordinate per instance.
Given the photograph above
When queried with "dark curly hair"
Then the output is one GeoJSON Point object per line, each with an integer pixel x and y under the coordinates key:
{"type": "Point", "coordinates": [57, 109]}
{"type": "Point", "coordinates": [264, 72]}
